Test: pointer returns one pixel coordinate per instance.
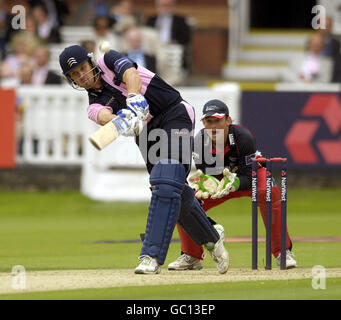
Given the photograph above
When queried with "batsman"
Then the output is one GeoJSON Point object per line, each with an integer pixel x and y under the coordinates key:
{"type": "Point", "coordinates": [235, 146]}
{"type": "Point", "coordinates": [132, 100]}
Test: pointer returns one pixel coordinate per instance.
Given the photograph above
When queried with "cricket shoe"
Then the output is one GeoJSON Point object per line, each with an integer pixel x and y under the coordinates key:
{"type": "Point", "coordinates": [290, 261]}
{"type": "Point", "coordinates": [185, 262]}
{"type": "Point", "coordinates": [218, 252]}
{"type": "Point", "coordinates": [148, 265]}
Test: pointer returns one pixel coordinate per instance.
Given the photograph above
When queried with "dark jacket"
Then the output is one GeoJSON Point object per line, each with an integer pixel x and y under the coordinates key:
{"type": "Point", "coordinates": [180, 33]}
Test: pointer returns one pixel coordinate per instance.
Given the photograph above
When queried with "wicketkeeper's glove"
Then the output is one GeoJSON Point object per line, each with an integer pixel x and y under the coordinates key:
{"type": "Point", "coordinates": [229, 183]}
{"type": "Point", "coordinates": [135, 125]}
{"type": "Point", "coordinates": [204, 184]}
{"type": "Point", "coordinates": [137, 104]}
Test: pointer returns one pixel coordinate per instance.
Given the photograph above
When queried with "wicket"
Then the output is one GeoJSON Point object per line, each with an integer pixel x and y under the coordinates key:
{"type": "Point", "coordinates": [268, 238]}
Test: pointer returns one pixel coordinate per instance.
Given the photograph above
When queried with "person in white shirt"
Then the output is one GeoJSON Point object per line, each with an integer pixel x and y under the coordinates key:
{"type": "Point", "coordinates": [312, 66]}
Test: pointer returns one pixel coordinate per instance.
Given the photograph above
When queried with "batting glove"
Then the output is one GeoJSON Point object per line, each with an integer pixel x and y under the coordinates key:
{"type": "Point", "coordinates": [229, 183]}
{"type": "Point", "coordinates": [204, 184]}
{"type": "Point", "coordinates": [137, 104]}
{"type": "Point", "coordinates": [135, 125]}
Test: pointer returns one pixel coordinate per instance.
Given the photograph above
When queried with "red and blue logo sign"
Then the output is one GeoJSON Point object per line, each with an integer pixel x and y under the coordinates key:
{"type": "Point", "coordinates": [304, 127]}
{"type": "Point", "coordinates": [300, 138]}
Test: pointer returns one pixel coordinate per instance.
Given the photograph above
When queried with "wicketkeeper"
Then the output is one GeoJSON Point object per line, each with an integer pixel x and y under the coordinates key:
{"type": "Point", "coordinates": [229, 180]}
{"type": "Point", "coordinates": [118, 87]}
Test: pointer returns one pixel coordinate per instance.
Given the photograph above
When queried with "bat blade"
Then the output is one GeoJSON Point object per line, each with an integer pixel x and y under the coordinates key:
{"type": "Point", "coordinates": [104, 136]}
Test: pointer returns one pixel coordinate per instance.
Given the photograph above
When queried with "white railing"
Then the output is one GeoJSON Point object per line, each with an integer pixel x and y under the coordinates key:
{"type": "Point", "coordinates": [54, 125]}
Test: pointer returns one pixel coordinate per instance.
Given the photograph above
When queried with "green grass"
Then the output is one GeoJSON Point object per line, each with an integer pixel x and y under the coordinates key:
{"type": "Point", "coordinates": [51, 231]}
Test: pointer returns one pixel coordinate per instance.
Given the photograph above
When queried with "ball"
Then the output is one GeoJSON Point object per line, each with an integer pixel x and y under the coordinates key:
{"type": "Point", "coordinates": [104, 46]}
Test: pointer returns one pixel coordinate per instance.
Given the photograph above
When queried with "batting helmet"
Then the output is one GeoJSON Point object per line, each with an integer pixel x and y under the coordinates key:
{"type": "Point", "coordinates": [74, 56]}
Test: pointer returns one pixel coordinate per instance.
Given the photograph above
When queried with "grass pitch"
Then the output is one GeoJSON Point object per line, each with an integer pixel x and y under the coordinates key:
{"type": "Point", "coordinates": [67, 231]}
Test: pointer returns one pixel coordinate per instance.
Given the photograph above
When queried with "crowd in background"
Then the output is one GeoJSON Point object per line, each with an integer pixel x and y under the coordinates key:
{"type": "Point", "coordinates": [25, 55]}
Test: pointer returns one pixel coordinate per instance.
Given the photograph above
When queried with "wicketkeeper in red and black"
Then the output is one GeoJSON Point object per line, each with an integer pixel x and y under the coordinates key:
{"type": "Point", "coordinates": [228, 177]}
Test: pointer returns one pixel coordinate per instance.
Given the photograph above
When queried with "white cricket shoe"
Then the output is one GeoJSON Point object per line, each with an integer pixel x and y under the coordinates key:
{"type": "Point", "coordinates": [148, 265]}
{"type": "Point", "coordinates": [185, 262]}
{"type": "Point", "coordinates": [290, 261]}
{"type": "Point", "coordinates": [218, 252]}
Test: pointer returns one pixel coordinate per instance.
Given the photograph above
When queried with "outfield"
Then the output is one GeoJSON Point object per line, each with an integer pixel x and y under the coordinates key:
{"type": "Point", "coordinates": [67, 231]}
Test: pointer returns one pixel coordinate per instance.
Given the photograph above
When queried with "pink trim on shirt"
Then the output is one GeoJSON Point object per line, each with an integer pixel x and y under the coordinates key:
{"type": "Point", "coordinates": [94, 109]}
{"type": "Point", "coordinates": [146, 77]}
{"type": "Point", "coordinates": [190, 111]}
{"type": "Point", "coordinates": [108, 76]}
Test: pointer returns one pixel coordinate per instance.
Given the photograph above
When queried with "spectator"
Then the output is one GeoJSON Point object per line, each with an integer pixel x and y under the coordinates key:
{"type": "Point", "coordinates": [84, 13]}
{"type": "Point", "coordinates": [173, 28]}
{"type": "Point", "coordinates": [122, 10]}
{"type": "Point", "coordinates": [136, 51]}
{"type": "Point", "coordinates": [313, 66]}
{"type": "Point", "coordinates": [23, 48]}
{"type": "Point", "coordinates": [332, 49]}
{"type": "Point", "coordinates": [152, 47]}
{"type": "Point", "coordinates": [45, 27]}
{"type": "Point", "coordinates": [103, 33]}
{"type": "Point", "coordinates": [57, 10]}
{"type": "Point", "coordinates": [41, 73]}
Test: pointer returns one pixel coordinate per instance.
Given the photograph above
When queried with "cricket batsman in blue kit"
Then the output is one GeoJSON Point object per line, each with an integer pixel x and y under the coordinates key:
{"type": "Point", "coordinates": [118, 87]}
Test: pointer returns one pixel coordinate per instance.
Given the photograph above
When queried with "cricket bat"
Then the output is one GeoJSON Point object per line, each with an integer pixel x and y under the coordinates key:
{"type": "Point", "coordinates": [104, 136]}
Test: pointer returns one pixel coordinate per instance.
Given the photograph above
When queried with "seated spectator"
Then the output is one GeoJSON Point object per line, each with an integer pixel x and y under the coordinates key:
{"type": "Point", "coordinates": [104, 33]}
{"type": "Point", "coordinates": [57, 10]}
{"type": "Point", "coordinates": [152, 47]}
{"type": "Point", "coordinates": [136, 51]}
{"type": "Point", "coordinates": [311, 67]}
{"type": "Point", "coordinates": [23, 48]}
{"type": "Point", "coordinates": [41, 72]}
{"type": "Point", "coordinates": [332, 49]}
{"type": "Point", "coordinates": [84, 13]}
{"type": "Point", "coordinates": [173, 28]}
{"type": "Point", "coordinates": [45, 28]}
{"type": "Point", "coordinates": [122, 10]}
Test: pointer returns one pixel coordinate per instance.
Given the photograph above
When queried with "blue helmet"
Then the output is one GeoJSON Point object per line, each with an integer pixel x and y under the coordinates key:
{"type": "Point", "coordinates": [72, 57]}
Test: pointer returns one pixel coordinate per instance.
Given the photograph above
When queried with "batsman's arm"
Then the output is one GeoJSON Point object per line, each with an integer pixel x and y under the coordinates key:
{"type": "Point", "coordinates": [133, 81]}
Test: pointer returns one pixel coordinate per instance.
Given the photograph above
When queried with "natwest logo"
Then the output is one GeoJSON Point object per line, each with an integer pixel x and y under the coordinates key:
{"type": "Point", "coordinates": [299, 140]}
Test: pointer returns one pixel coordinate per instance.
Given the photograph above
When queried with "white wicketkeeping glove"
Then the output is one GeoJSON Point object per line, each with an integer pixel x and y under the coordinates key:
{"type": "Point", "coordinates": [137, 104]}
{"type": "Point", "coordinates": [229, 183]}
{"type": "Point", "coordinates": [134, 124]}
{"type": "Point", "coordinates": [204, 185]}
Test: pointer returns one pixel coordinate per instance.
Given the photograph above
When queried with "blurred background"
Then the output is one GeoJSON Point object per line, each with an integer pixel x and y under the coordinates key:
{"type": "Point", "coordinates": [277, 66]}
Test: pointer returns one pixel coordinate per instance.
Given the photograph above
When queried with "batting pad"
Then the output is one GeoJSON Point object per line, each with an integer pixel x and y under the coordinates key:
{"type": "Point", "coordinates": [194, 221]}
{"type": "Point", "coordinates": [167, 179]}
